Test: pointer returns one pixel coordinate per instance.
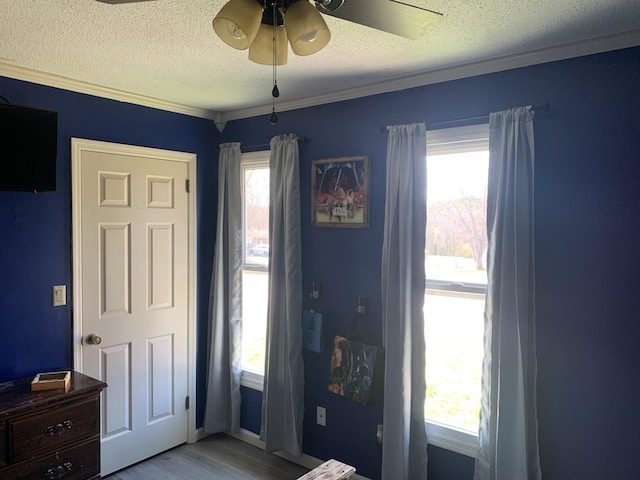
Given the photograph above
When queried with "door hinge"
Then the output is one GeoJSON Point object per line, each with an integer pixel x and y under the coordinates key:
{"type": "Point", "coordinates": [186, 402]}
{"type": "Point", "coordinates": [186, 185]}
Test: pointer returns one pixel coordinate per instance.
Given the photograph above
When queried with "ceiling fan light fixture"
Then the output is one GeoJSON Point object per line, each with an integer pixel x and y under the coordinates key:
{"type": "Point", "coordinates": [261, 49]}
{"type": "Point", "coordinates": [238, 22]}
{"type": "Point", "coordinates": [307, 31]}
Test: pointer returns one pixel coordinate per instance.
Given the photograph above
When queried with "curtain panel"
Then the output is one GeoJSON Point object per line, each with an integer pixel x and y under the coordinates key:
{"type": "Point", "coordinates": [283, 394]}
{"type": "Point", "coordinates": [404, 456]}
{"type": "Point", "coordinates": [508, 421]}
{"type": "Point", "coordinates": [222, 404]}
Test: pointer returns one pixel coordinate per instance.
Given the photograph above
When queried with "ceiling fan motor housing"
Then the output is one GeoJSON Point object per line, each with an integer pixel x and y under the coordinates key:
{"type": "Point", "coordinates": [323, 5]}
{"type": "Point", "coordinates": [329, 5]}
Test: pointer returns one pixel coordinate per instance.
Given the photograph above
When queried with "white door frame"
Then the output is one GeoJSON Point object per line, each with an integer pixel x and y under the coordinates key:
{"type": "Point", "coordinates": [77, 146]}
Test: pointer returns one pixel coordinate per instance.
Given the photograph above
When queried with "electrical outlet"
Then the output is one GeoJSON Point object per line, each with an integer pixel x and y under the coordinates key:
{"type": "Point", "coordinates": [322, 416]}
{"type": "Point", "coordinates": [59, 295]}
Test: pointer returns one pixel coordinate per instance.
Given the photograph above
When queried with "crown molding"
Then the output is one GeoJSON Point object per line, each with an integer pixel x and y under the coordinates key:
{"type": "Point", "coordinates": [563, 52]}
{"type": "Point", "coordinates": [552, 54]}
{"type": "Point", "coordinates": [64, 83]}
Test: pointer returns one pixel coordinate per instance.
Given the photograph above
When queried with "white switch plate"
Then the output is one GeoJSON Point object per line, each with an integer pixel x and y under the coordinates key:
{"type": "Point", "coordinates": [322, 416]}
{"type": "Point", "coordinates": [59, 295]}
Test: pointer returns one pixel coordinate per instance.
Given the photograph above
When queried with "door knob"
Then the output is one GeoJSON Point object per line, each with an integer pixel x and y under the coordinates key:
{"type": "Point", "coordinates": [93, 339]}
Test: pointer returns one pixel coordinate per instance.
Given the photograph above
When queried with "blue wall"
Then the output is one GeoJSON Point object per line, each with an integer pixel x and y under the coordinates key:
{"type": "Point", "coordinates": [35, 229]}
{"type": "Point", "coordinates": [587, 240]}
{"type": "Point", "coordinates": [587, 216]}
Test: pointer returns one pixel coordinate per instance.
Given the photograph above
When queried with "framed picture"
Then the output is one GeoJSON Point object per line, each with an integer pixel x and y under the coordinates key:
{"type": "Point", "coordinates": [340, 192]}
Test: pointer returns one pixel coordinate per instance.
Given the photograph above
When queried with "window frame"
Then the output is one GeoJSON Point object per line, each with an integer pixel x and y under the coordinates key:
{"type": "Point", "coordinates": [251, 160]}
{"type": "Point", "coordinates": [469, 138]}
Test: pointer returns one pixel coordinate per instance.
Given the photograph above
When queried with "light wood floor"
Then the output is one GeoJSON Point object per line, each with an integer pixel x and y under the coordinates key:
{"type": "Point", "coordinates": [215, 458]}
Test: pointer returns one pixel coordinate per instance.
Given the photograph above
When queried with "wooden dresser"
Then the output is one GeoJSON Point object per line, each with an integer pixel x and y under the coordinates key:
{"type": "Point", "coordinates": [50, 434]}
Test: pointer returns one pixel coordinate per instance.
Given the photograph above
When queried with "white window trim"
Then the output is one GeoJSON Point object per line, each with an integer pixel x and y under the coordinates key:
{"type": "Point", "coordinates": [449, 438]}
{"type": "Point", "coordinates": [252, 380]}
{"type": "Point", "coordinates": [259, 159]}
{"type": "Point", "coordinates": [439, 142]}
{"type": "Point", "coordinates": [457, 139]}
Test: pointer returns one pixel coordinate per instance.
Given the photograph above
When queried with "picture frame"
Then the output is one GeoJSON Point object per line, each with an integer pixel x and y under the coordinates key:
{"type": "Point", "coordinates": [340, 192]}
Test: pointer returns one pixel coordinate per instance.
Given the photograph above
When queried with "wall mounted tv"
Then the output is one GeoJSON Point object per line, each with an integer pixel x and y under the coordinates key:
{"type": "Point", "coordinates": [28, 148]}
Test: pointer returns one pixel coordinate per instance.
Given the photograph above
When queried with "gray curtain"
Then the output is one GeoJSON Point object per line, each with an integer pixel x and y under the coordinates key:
{"type": "Point", "coordinates": [222, 405]}
{"type": "Point", "coordinates": [404, 456]}
{"type": "Point", "coordinates": [508, 421]}
{"type": "Point", "coordinates": [283, 394]}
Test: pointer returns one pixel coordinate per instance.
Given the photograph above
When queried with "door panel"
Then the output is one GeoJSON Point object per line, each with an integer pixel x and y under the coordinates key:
{"type": "Point", "coordinates": [115, 368]}
{"type": "Point", "coordinates": [160, 279]}
{"type": "Point", "coordinates": [134, 270]}
{"type": "Point", "coordinates": [114, 257]}
{"type": "Point", "coordinates": [161, 386]}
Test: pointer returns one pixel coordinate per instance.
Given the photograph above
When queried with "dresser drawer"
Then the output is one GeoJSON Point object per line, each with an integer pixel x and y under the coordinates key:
{"type": "Point", "coordinates": [74, 463]}
{"type": "Point", "coordinates": [52, 428]}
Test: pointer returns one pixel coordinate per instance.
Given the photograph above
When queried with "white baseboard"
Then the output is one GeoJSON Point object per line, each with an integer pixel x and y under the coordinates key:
{"type": "Point", "coordinates": [306, 461]}
{"type": "Point", "coordinates": [200, 434]}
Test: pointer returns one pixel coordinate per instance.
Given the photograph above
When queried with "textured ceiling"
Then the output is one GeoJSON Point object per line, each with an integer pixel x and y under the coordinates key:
{"type": "Point", "coordinates": [167, 50]}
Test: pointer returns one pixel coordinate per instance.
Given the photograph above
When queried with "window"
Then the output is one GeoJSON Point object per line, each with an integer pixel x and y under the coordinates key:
{"type": "Point", "coordinates": [255, 268]}
{"type": "Point", "coordinates": [455, 268]}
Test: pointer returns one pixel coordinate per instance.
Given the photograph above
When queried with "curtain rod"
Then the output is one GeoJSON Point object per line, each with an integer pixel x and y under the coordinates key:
{"type": "Point", "coordinates": [262, 146]}
{"type": "Point", "coordinates": [545, 107]}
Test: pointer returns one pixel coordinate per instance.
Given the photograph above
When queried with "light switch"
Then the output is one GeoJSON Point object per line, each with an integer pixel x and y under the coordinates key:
{"type": "Point", "coordinates": [59, 295]}
{"type": "Point", "coordinates": [322, 416]}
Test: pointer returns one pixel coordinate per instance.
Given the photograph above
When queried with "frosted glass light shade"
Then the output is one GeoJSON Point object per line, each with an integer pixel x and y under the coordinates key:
{"type": "Point", "coordinates": [237, 23]}
{"type": "Point", "coordinates": [261, 49]}
{"type": "Point", "coordinates": [307, 31]}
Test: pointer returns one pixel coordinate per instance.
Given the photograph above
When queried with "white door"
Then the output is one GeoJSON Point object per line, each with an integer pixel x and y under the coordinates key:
{"type": "Point", "coordinates": [132, 228]}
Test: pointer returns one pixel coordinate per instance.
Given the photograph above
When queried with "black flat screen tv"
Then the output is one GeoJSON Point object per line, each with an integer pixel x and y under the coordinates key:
{"type": "Point", "coordinates": [28, 148]}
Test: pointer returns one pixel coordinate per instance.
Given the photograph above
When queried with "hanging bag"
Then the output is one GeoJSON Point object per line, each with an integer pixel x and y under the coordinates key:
{"type": "Point", "coordinates": [357, 365]}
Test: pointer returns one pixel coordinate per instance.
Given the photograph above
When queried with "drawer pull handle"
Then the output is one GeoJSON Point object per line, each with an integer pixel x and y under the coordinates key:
{"type": "Point", "coordinates": [58, 428]}
{"type": "Point", "coordinates": [58, 472]}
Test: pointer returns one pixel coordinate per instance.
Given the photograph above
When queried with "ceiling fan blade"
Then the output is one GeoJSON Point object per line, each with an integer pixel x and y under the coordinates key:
{"type": "Point", "coordinates": [387, 15]}
{"type": "Point", "coordinates": [117, 2]}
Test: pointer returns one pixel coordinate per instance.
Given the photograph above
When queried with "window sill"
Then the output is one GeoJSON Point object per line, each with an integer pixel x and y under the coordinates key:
{"type": "Point", "coordinates": [252, 380]}
{"type": "Point", "coordinates": [459, 441]}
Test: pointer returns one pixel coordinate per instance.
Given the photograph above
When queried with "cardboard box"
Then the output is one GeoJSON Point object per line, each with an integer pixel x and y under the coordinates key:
{"type": "Point", "coordinates": [51, 381]}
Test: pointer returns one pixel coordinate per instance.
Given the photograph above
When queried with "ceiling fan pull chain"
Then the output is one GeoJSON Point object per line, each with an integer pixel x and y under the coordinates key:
{"type": "Point", "coordinates": [275, 93]}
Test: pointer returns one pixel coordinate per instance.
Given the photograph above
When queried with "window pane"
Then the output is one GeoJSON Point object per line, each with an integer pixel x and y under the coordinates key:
{"type": "Point", "coordinates": [256, 215]}
{"type": "Point", "coordinates": [255, 274]}
{"type": "Point", "coordinates": [454, 330]}
{"type": "Point", "coordinates": [255, 286]}
{"type": "Point", "coordinates": [456, 243]}
{"type": "Point", "coordinates": [455, 268]}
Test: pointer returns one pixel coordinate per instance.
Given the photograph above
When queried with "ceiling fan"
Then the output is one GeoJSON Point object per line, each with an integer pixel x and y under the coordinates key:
{"type": "Point", "coordinates": [389, 16]}
{"type": "Point", "coordinates": [265, 27]}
